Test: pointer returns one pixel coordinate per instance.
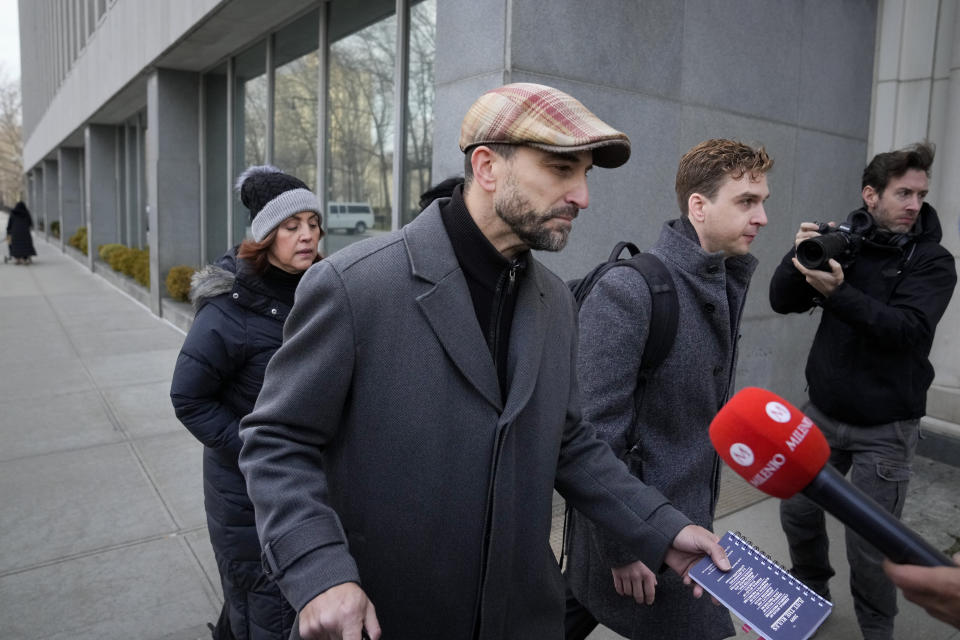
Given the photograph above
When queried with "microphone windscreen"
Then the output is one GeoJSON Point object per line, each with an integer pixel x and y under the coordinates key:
{"type": "Point", "coordinates": [769, 442]}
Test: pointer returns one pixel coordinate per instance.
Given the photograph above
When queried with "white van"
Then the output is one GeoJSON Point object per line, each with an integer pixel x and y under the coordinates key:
{"type": "Point", "coordinates": [354, 217]}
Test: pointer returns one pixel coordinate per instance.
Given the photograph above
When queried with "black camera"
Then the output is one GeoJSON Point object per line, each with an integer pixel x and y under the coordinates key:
{"type": "Point", "coordinates": [841, 242]}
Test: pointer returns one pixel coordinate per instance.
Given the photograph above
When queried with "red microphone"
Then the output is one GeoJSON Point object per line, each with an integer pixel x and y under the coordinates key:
{"type": "Point", "coordinates": [780, 451]}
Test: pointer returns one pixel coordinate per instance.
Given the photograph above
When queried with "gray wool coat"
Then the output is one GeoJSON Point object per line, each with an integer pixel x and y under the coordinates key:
{"type": "Point", "coordinates": [380, 452]}
{"type": "Point", "coordinates": [659, 426]}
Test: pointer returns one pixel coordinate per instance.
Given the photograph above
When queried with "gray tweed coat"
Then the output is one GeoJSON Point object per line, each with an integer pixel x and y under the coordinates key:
{"type": "Point", "coordinates": [379, 450]}
{"type": "Point", "coordinates": [659, 426]}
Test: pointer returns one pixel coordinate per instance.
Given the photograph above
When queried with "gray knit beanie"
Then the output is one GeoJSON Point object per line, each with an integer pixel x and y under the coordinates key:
{"type": "Point", "coordinates": [272, 196]}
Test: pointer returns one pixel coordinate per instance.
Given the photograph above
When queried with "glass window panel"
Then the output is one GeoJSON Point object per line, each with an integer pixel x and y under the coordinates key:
{"type": "Point", "coordinates": [215, 161]}
{"type": "Point", "coordinates": [361, 126]}
{"type": "Point", "coordinates": [249, 123]}
{"type": "Point", "coordinates": [421, 93]}
{"type": "Point", "coordinates": [295, 98]}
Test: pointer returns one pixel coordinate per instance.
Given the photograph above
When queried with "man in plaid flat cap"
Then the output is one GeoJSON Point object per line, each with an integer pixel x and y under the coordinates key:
{"type": "Point", "coordinates": [423, 407]}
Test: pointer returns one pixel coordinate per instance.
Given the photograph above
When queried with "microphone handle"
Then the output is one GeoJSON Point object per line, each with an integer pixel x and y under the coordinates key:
{"type": "Point", "coordinates": [876, 525]}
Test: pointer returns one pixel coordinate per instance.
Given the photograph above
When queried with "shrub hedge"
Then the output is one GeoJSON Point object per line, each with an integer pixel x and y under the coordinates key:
{"type": "Point", "coordinates": [78, 240]}
{"type": "Point", "coordinates": [106, 249]}
{"type": "Point", "coordinates": [178, 282]}
{"type": "Point", "coordinates": [132, 262]}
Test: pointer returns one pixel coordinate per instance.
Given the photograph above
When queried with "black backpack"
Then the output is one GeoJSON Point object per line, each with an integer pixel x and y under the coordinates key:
{"type": "Point", "coordinates": [665, 313]}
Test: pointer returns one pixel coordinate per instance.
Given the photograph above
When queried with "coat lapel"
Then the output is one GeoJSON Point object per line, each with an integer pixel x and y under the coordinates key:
{"type": "Point", "coordinates": [447, 305]}
{"type": "Point", "coordinates": [527, 337]}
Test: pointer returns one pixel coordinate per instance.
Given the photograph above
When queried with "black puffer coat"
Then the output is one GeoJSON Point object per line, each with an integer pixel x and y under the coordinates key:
{"type": "Point", "coordinates": [18, 228]}
{"type": "Point", "coordinates": [869, 361]}
{"type": "Point", "coordinates": [218, 376]}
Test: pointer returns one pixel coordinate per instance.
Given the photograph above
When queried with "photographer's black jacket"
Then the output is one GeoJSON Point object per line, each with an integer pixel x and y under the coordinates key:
{"type": "Point", "coordinates": [869, 361]}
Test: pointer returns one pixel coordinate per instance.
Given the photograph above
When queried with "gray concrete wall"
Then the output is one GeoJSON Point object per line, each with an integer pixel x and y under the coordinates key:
{"type": "Point", "coordinates": [100, 188]}
{"type": "Point", "coordinates": [119, 50]}
{"type": "Point", "coordinates": [63, 91]}
{"type": "Point", "coordinates": [173, 174]}
{"type": "Point", "coordinates": [793, 76]}
{"type": "Point", "coordinates": [71, 208]}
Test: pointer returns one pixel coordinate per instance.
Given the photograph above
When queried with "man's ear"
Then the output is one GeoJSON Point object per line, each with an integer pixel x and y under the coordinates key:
{"type": "Point", "coordinates": [484, 161]}
{"type": "Point", "coordinates": [695, 205]}
{"type": "Point", "coordinates": [870, 198]}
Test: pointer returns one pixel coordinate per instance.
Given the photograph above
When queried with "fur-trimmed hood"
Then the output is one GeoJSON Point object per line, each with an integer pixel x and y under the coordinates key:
{"type": "Point", "coordinates": [211, 281]}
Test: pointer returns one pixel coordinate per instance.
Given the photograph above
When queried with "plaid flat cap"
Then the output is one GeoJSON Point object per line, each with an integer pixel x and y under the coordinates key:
{"type": "Point", "coordinates": [545, 118]}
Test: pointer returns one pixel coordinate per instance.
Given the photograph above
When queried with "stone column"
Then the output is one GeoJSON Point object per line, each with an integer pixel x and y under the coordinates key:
{"type": "Point", "coordinates": [173, 174]}
{"type": "Point", "coordinates": [943, 400]}
{"type": "Point", "coordinates": [31, 195]}
{"type": "Point", "coordinates": [71, 212]}
{"type": "Point", "coordinates": [51, 198]}
{"type": "Point", "coordinates": [36, 205]}
{"type": "Point", "coordinates": [100, 188]}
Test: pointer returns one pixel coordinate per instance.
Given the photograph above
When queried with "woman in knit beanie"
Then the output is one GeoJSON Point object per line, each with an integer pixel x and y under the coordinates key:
{"type": "Point", "coordinates": [241, 303]}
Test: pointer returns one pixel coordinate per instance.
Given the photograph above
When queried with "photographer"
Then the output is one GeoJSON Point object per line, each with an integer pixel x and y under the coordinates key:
{"type": "Point", "coordinates": [882, 295]}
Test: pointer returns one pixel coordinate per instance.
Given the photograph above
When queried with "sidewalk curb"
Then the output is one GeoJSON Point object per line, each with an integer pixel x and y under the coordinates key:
{"type": "Point", "coordinates": [940, 441]}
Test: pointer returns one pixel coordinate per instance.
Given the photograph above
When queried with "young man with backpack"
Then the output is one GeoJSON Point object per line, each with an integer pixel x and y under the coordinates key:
{"type": "Point", "coordinates": [655, 415]}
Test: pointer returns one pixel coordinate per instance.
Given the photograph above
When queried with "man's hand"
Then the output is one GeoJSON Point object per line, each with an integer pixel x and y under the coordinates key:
{"type": "Point", "coordinates": [936, 589]}
{"type": "Point", "coordinates": [826, 282]}
{"type": "Point", "coordinates": [636, 580]}
{"type": "Point", "coordinates": [691, 544]}
{"type": "Point", "coordinates": [807, 230]}
{"type": "Point", "coordinates": [342, 612]}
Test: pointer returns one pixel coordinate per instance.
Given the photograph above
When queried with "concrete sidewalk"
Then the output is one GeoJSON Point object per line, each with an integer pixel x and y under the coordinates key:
{"type": "Point", "coordinates": [102, 530]}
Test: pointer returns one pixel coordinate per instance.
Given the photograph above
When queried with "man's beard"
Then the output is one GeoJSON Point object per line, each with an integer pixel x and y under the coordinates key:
{"type": "Point", "coordinates": [530, 225]}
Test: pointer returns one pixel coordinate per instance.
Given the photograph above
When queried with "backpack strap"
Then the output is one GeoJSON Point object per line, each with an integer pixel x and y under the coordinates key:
{"type": "Point", "coordinates": [665, 307]}
{"type": "Point", "coordinates": [618, 249]}
{"type": "Point", "coordinates": [664, 312]}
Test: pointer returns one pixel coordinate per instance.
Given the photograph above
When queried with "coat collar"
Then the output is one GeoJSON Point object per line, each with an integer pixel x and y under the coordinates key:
{"type": "Point", "coordinates": [447, 305]}
{"type": "Point", "coordinates": [527, 339]}
{"type": "Point", "coordinates": [449, 311]}
{"type": "Point", "coordinates": [686, 254]}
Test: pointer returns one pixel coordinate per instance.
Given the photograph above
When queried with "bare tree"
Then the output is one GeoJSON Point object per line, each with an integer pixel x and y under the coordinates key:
{"type": "Point", "coordinates": [255, 120]}
{"type": "Point", "coordinates": [422, 94]}
{"type": "Point", "coordinates": [295, 124]}
{"type": "Point", "coordinates": [361, 115]}
{"type": "Point", "coordinates": [350, 144]}
{"type": "Point", "coordinates": [361, 108]}
{"type": "Point", "coordinates": [11, 141]}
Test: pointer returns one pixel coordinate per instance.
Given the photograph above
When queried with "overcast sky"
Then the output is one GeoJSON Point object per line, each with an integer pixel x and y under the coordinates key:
{"type": "Point", "coordinates": [9, 38]}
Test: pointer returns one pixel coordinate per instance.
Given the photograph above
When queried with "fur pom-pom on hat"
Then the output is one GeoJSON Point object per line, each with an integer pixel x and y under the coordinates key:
{"type": "Point", "coordinates": [272, 196]}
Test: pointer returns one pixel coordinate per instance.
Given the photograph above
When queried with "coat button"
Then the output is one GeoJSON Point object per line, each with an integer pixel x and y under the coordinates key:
{"type": "Point", "coordinates": [709, 308]}
{"type": "Point", "coordinates": [717, 370]}
{"type": "Point", "coordinates": [236, 296]}
{"type": "Point", "coordinates": [273, 311]}
{"type": "Point", "coordinates": [713, 269]}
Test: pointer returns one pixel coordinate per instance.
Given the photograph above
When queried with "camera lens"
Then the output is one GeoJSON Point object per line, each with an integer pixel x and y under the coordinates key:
{"type": "Point", "coordinates": [810, 253]}
{"type": "Point", "coordinates": [815, 253]}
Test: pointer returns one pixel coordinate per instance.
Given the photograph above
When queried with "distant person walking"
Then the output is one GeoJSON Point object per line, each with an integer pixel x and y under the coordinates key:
{"type": "Point", "coordinates": [18, 234]}
{"type": "Point", "coordinates": [242, 302]}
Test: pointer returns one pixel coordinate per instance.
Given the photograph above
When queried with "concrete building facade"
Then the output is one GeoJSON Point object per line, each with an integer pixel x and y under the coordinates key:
{"type": "Point", "coordinates": [158, 107]}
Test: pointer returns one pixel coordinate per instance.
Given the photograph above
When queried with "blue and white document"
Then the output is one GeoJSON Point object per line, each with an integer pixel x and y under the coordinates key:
{"type": "Point", "coordinates": [761, 593]}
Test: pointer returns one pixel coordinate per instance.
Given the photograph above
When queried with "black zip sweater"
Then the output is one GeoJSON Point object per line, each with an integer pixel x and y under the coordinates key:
{"type": "Point", "coordinates": [869, 361]}
{"type": "Point", "coordinates": [492, 279]}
